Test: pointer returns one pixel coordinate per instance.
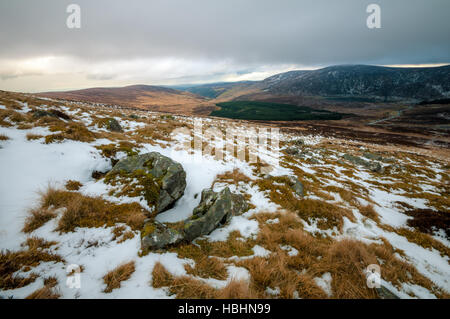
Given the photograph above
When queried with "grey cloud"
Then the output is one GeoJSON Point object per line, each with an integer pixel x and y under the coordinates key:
{"type": "Point", "coordinates": [248, 32]}
{"type": "Point", "coordinates": [9, 76]}
{"type": "Point", "coordinates": [92, 76]}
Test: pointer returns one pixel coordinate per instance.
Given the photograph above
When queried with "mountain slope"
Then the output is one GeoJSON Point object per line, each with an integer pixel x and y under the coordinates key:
{"type": "Point", "coordinates": [364, 80]}
{"type": "Point", "coordinates": [141, 96]}
{"type": "Point", "coordinates": [216, 90]}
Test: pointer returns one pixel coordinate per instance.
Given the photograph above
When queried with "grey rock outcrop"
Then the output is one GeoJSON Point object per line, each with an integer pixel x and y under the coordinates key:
{"type": "Point", "coordinates": [371, 165]}
{"type": "Point", "coordinates": [163, 179]}
{"type": "Point", "coordinates": [113, 125]}
{"type": "Point", "coordinates": [296, 185]}
{"type": "Point", "coordinates": [214, 210]}
{"type": "Point", "coordinates": [157, 235]}
{"type": "Point", "coordinates": [51, 113]}
{"type": "Point", "coordinates": [385, 293]}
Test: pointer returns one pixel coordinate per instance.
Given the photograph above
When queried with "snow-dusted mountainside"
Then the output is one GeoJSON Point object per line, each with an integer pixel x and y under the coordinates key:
{"type": "Point", "coordinates": [214, 90]}
{"type": "Point", "coordinates": [364, 80]}
{"type": "Point", "coordinates": [69, 231]}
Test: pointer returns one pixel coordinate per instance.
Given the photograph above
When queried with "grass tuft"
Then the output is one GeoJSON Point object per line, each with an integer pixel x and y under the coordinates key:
{"type": "Point", "coordinates": [13, 261]}
{"type": "Point", "coordinates": [36, 218]}
{"type": "Point", "coordinates": [83, 211]}
{"type": "Point", "coordinates": [121, 273]}
{"type": "Point", "coordinates": [73, 185]}
{"type": "Point", "coordinates": [46, 292]}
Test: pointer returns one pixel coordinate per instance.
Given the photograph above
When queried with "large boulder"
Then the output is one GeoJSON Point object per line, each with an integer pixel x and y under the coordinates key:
{"type": "Point", "coordinates": [295, 184]}
{"type": "Point", "coordinates": [113, 125]}
{"type": "Point", "coordinates": [292, 151]}
{"type": "Point", "coordinates": [157, 235]}
{"type": "Point", "coordinates": [163, 180]}
{"type": "Point", "coordinates": [214, 210]}
{"type": "Point", "coordinates": [51, 113]}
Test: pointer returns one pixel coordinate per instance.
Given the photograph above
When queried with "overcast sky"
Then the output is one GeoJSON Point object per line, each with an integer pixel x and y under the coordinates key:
{"type": "Point", "coordinates": [181, 41]}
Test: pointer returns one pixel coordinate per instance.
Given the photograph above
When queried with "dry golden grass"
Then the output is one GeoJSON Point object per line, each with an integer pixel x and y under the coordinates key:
{"type": "Point", "coordinates": [346, 260]}
{"type": "Point", "coordinates": [71, 130]}
{"type": "Point", "coordinates": [440, 202]}
{"type": "Point", "coordinates": [185, 287]}
{"type": "Point", "coordinates": [110, 150]}
{"type": "Point", "coordinates": [13, 261]}
{"type": "Point", "coordinates": [121, 273]}
{"type": "Point", "coordinates": [158, 130]}
{"type": "Point", "coordinates": [3, 137]}
{"type": "Point", "coordinates": [328, 215]}
{"type": "Point", "coordinates": [237, 289]}
{"type": "Point", "coordinates": [14, 117]}
{"type": "Point", "coordinates": [84, 211]}
{"type": "Point", "coordinates": [32, 137]}
{"type": "Point", "coordinates": [160, 276]}
{"type": "Point", "coordinates": [279, 270]}
{"type": "Point", "coordinates": [36, 218]}
{"type": "Point", "coordinates": [73, 185]}
{"type": "Point", "coordinates": [208, 267]}
{"type": "Point", "coordinates": [397, 271]}
{"type": "Point", "coordinates": [118, 231]}
{"type": "Point", "coordinates": [423, 240]}
{"type": "Point", "coordinates": [46, 292]}
{"type": "Point", "coordinates": [369, 212]}
{"type": "Point", "coordinates": [345, 194]}
{"type": "Point", "coordinates": [120, 235]}
{"type": "Point", "coordinates": [127, 235]}
{"type": "Point", "coordinates": [232, 177]}
{"type": "Point", "coordinates": [233, 246]}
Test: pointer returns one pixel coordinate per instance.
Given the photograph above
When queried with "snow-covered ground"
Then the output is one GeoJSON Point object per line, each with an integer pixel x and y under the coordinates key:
{"type": "Point", "coordinates": [28, 166]}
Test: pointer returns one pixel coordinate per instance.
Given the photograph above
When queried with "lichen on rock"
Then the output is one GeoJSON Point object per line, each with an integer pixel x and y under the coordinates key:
{"type": "Point", "coordinates": [157, 178]}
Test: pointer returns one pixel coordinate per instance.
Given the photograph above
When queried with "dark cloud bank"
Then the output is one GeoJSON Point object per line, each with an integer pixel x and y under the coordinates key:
{"type": "Point", "coordinates": [303, 32]}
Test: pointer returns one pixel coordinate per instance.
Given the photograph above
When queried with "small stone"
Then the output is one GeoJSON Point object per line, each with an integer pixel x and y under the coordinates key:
{"type": "Point", "coordinates": [113, 125]}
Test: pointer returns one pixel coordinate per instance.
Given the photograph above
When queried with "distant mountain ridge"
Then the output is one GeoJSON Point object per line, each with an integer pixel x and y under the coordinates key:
{"type": "Point", "coordinates": [364, 80]}
{"type": "Point", "coordinates": [386, 83]}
